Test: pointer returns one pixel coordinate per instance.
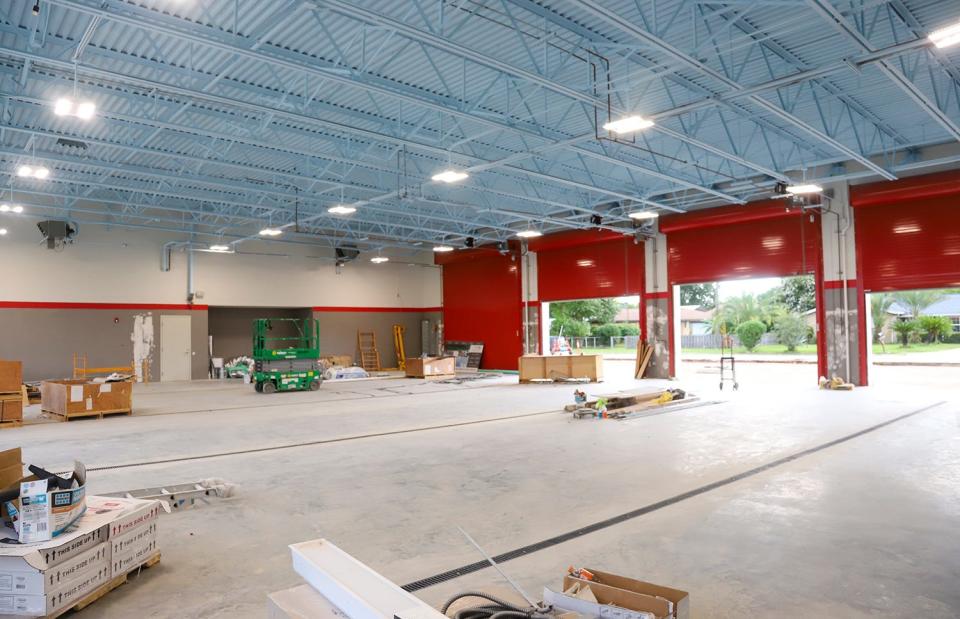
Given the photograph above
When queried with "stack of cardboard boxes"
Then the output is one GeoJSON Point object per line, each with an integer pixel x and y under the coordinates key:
{"type": "Point", "coordinates": [100, 540]}
{"type": "Point", "coordinates": [11, 395]}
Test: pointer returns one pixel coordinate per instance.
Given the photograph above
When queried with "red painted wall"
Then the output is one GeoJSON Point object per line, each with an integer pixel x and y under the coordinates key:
{"type": "Point", "coordinates": [612, 268]}
{"type": "Point", "coordinates": [481, 303]}
{"type": "Point", "coordinates": [909, 245]}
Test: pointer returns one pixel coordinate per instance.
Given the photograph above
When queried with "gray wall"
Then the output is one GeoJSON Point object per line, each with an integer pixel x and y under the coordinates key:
{"type": "Point", "coordinates": [45, 339]}
{"type": "Point", "coordinates": [338, 332]}
{"type": "Point", "coordinates": [232, 327]}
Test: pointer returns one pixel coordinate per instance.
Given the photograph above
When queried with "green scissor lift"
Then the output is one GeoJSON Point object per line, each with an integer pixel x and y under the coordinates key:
{"type": "Point", "coordinates": [286, 363]}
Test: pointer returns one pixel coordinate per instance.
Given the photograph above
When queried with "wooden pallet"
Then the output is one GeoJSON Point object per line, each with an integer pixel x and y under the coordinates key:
{"type": "Point", "coordinates": [97, 414]}
{"type": "Point", "coordinates": [10, 424]}
{"type": "Point", "coordinates": [104, 589]}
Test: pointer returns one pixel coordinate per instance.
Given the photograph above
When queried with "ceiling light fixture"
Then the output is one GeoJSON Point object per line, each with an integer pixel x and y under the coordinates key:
{"type": "Point", "coordinates": [340, 209]}
{"type": "Point", "coordinates": [17, 208]}
{"type": "Point", "coordinates": [4, 207]}
{"type": "Point", "coordinates": [800, 190]}
{"type": "Point", "coordinates": [441, 249]}
{"type": "Point", "coordinates": [220, 248]}
{"type": "Point", "coordinates": [379, 259]}
{"type": "Point", "coordinates": [3, 231]}
{"type": "Point", "coordinates": [946, 37]}
{"type": "Point", "coordinates": [271, 232]}
{"type": "Point", "coordinates": [628, 124]}
{"type": "Point", "coordinates": [529, 234]}
{"type": "Point", "coordinates": [84, 110]}
{"type": "Point", "coordinates": [449, 176]}
{"type": "Point", "coordinates": [37, 172]}
{"type": "Point", "coordinates": [643, 215]}
{"type": "Point", "coordinates": [36, 8]}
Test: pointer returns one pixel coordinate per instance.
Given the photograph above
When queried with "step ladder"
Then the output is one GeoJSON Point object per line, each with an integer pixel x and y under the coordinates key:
{"type": "Point", "coordinates": [369, 355]}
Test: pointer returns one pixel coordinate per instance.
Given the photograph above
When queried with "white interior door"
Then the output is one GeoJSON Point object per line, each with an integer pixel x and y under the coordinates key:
{"type": "Point", "coordinates": [175, 352]}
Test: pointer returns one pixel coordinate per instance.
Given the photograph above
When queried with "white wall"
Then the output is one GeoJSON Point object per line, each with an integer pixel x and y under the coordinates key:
{"type": "Point", "coordinates": [123, 266]}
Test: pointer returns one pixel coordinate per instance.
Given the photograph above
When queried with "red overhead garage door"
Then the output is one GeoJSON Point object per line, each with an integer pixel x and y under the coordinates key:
{"type": "Point", "coordinates": [481, 303]}
{"type": "Point", "coordinates": [908, 233]}
{"type": "Point", "coordinates": [761, 239]}
{"type": "Point", "coordinates": [588, 265]}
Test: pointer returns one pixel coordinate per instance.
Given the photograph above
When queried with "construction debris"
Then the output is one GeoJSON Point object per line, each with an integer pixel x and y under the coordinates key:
{"type": "Point", "coordinates": [644, 353]}
{"type": "Point", "coordinates": [835, 384]}
{"type": "Point", "coordinates": [624, 406]}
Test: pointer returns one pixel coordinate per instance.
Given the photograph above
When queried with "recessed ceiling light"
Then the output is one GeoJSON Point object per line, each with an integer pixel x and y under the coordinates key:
{"type": "Point", "coordinates": [450, 176]}
{"type": "Point", "coordinates": [529, 234]}
{"type": "Point", "coordinates": [440, 249]}
{"type": "Point", "coordinates": [379, 259]}
{"type": "Point", "coordinates": [798, 190]}
{"type": "Point", "coordinates": [341, 209]}
{"type": "Point", "coordinates": [643, 215]}
{"type": "Point", "coordinates": [220, 248]}
{"type": "Point", "coordinates": [945, 37]}
{"type": "Point", "coordinates": [271, 232]}
{"type": "Point", "coordinates": [628, 124]}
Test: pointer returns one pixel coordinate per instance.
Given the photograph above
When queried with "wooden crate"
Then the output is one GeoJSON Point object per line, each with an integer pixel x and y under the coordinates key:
{"type": "Point", "coordinates": [80, 398]}
{"type": "Point", "coordinates": [431, 367]}
{"type": "Point", "coordinates": [11, 407]}
{"type": "Point", "coordinates": [542, 367]}
{"type": "Point", "coordinates": [11, 376]}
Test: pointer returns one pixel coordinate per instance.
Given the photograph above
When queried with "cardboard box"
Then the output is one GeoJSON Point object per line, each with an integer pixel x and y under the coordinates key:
{"type": "Point", "coordinates": [561, 366]}
{"type": "Point", "coordinates": [46, 514]}
{"type": "Point", "coordinates": [11, 407]}
{"type": "Point", "coordinates": [22, 580]}
{"type": "Point", "coordinates": [80, 397]}
{"type": "Point", "coordinates": [65, 597]}
{"type": "Point", "coordinates": [663, 602]}
{"type": "Point", "coordinates": [11, 376]}
{"type": "Point", "coordinates": [427, 367]}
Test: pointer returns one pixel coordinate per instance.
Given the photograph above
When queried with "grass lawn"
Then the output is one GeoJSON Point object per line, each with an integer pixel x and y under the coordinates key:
{"type": "Point", "coordinates": [763, 349]}
{"type": "Point", "coordinates": [897, 349]}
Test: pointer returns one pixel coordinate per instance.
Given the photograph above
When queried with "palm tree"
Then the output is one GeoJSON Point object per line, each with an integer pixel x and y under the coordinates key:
{"type": "Point", "coordinates": [918, 300]}
{"type": "Point", "coordinates": [880, 303]}
{"type": "Point", "coordinates": [737, 310]}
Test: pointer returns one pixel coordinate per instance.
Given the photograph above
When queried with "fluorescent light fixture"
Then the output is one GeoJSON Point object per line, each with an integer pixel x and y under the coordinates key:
{"type": "Point", "coordinates": [17, 208]}
{"type": "Point", "coordinates": [3, 231]}
{"type": "Point", "coordinates": [628, 124]}
{"type": "Point", "coordinates": [63, 107]}
{"type": "Point", "coordinates": [643, 215]}
{"type": "Point", "coordinates": [271, 232]}
{"type": "Point", "coordinates": [450, 176]}
{"type": "Point", "coordinates": [41, 173]}
{"type": "Point", "coordinates": [799, 190]}
{"type": "Point", "coordinates": [946, 37]}
{"type": "Point", "coordinates": [86, 110]}
{"type": "Point", "coordinates": [220, 248]}
{"type": "Point", "coordinates": [340, 209]}
{"type": "Point", "coordinates": [529, 234]}
{"type": "Point", "coordinates": [24, 171]}
{"type": "Point", "coordinates": [441, 249]}
{"type": "Point", "coordinates": [379, 259]}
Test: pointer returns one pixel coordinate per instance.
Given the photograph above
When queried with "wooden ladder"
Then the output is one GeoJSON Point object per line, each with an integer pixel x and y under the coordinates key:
{"type": "Point", "coordinates": [369, 356]}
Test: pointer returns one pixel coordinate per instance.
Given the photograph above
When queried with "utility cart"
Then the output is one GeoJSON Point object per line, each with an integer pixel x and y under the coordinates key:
{"type": "Point", "coordinates": [285, 354]}
{"type": "Point", "coordinates": [728, 364]}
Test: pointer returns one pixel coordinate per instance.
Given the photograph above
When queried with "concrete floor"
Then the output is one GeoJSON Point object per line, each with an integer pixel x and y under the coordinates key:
{"type": "Point", "coordinates": [864, 528]}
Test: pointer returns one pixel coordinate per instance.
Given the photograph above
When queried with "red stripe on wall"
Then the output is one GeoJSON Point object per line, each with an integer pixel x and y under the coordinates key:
{"type": "Point", "coordinates": [657, 295]}
{"type": "Point", "coordinates": [98, 306]}
{"type": "Point", "coordinates": [838, 283]}
{"type": "Point", "coordinates": [377, 309]}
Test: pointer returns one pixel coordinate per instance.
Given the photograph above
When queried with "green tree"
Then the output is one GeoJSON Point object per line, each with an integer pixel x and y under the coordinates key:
{"type": "Point", "coordinates": [701, 295]}
{"type": "Point", "coordinates": [791, 331]}
{"type": "Point", "coordinates": [630, 329]}
{"type": "Point", "coordinates": [934, 327]}
{"type": "Point", "coordinates": [608, 330]}
{"type": "Point", "coordinates": [918, 300]}
{"type": "Point", "coordinates": [880, 302]}
{"type": "Point", "coordinates": [569, 327]}
{"type": "Point", "coordinates": [904, 329]}
{"type": "Point", "coordinates": [797, 294]}
{"type": "Point", "coordinates": [750, 333]}
{"type": "Point", "coordinates": [737, 310]}
{"type": "Point", "coordinates": [594, 311]}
